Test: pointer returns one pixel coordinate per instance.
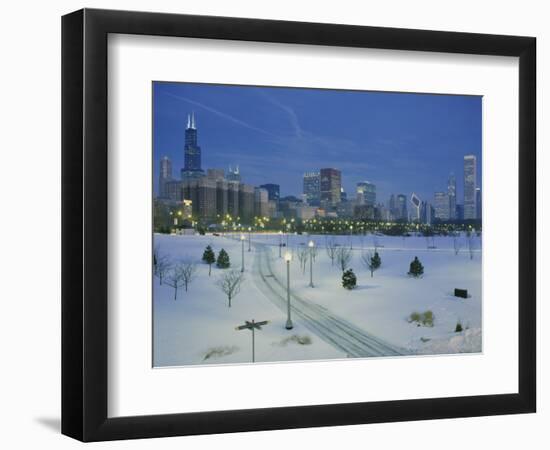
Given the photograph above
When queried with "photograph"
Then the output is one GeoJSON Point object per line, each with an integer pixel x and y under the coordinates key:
{"type": "Point", "coordinates": [298, 224]}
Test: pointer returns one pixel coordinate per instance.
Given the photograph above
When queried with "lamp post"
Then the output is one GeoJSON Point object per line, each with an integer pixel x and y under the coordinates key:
{"type": "Point", "coordinates": [249, 237]}
{"type": "Point", "coordinates": [288, 258]}
{"type": "Point", "coordinates": [351, 236]}
{"type": "Point", "coordinates": [280, 242]}
{"type": "Point", "coordinates": [242, 255]}
{"type": "Point", "coordinates": [311, 245]}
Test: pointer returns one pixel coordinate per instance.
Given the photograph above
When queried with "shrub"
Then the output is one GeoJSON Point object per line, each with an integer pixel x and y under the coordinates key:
{"type": "Point", "coordinates": [349, 280]}
{"type": "Point", "coordinates": [223, 260]}
{"type": "Point", "coordinates": [209, 258]}
{"type": "Point", "coordinates": [426, 318]}
{"type": "Point", "coordinates": [458, 327]}
{"type": "Point", "coordinates": [416, 268]}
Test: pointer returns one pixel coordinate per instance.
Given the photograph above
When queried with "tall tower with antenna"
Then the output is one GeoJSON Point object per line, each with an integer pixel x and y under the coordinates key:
{"type": "Point", "coordinates": [192, 152]}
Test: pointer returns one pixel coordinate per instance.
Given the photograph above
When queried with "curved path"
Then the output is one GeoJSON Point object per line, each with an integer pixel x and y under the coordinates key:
{"type": "Point", "coordinates": [333, 329]}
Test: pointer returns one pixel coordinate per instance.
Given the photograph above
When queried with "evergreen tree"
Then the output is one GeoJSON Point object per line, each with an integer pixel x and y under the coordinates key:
{"type": "Point", "coordinates": [416, 268]}
{"type": "Point", "coordinates": [209, 258]}
{"type": "Point", "coordinates": [223, 260]}
{"type": "Point", "coordinates": [349, 280]}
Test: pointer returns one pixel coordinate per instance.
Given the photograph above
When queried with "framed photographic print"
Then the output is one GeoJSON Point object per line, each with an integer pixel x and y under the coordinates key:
{"type": "Point", "coordinates": [274, 224]}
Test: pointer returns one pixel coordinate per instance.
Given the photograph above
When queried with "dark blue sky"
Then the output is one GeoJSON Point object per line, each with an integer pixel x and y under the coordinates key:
{"type": "Point", "coordinates": [401, 142]}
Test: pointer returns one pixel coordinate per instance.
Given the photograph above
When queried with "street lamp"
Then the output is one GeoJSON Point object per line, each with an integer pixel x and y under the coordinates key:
{"type": "Point", "coordinates": [311, 246]}
{"type": "Point", "coordinates": [242, 257]}
{"type": "Point", "coordinates": [280, 242]}
{"type": "Point", "coordinates": [288, 258]}
{"type": "Point", "coordinates": [249, 230]}
{"type": "Point", "coordinates": [351, 236]}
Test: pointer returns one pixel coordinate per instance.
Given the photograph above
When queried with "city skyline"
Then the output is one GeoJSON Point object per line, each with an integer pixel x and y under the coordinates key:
{"type": "Point", "coordinates": [399, 174]}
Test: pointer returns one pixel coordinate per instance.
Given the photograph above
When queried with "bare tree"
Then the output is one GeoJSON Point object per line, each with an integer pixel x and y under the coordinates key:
{"type": "Point", "coordinates": [313, 253]}
{"type": "Point", "coordinates": [175, 278]}
{"type": "Point", "coordinates": [471, 245]}
{"type": "Point", "coordinates": [156, 257]}
{"type": "Point", "coordinates": [457, 245]}
{"type": "Point", "coordinates": [302, 253]}
{"type": "Point", "coordinates": [162, 266]}
{"type": "Point", "coordinates": [343, 256]}
{"type": "Point", "coordinates": [371, 261]}
{"type": "Point", "coordinates": [188, 273]}
{"type": "Point", "coordinates": [230, 284]}
{"type": "Point", "coordinates": [331, 247]}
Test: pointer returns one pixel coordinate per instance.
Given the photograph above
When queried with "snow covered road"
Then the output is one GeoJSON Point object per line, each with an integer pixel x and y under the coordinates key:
{"type": "Point", "coordinates": [333, 329]}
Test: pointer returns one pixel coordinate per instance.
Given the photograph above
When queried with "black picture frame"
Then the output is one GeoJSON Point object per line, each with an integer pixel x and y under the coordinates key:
{"type": "Point", "coordinates": [84, 224]}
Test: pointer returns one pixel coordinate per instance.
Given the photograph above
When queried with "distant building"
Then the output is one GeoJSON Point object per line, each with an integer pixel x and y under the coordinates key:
{"type": "Point", "coordinates": [459, 212]}
{"type": "Point", "coordinates": [417, 206]}
{"type": "Point", "coordinates": [478, 203]}
{"type": "Point", "coordinates": [215, 174]}
{"type": "Point", "coordinates": [426, 213]}
{"type": "Point", "coordinates": [366, 193]}
{"type": "Point", "coordinates": [261, 202]}
{"type": "Point", "coordinates": [441, 206]}
{"type": "Point", "coordinates": [343, 195]}
{"type": "Point", "coordinates": [192, 152]}
{"type": "Point", "coordinates": [165, 175]}
{"type": "Point", "coordinates": [272, 210]}
{"type": "Point", "coordinates": [305, 212]}
{"type": "Point", "coordinates": [212, 198]}
{"type": "Point", "coordinates": [364, 212]}
{"type": "Point", "coordinates": [451, 192]}
{"type": "Point", "coordinates": [273, 191]}
{"type": "Point", "coordinates": [312, 188]}
{"type": "Point", "coordinates": [330, 184]}
{"type": "Point", "coordinates": [234, 174]}
{"type": "Point", "coordinates": [470, 174]}
{"type": "Point", "coordinates": [173, 190]}
{"type": "Point", "coordinates": [246, 203]}
{"type": "Point", "coordinates": [401, 207]}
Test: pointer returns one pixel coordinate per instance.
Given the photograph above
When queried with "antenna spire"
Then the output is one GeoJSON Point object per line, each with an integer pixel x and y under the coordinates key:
{"type": "Point", "coordinates": [193, 120]}
{"type": "Point", "coordinates": [188, 121]}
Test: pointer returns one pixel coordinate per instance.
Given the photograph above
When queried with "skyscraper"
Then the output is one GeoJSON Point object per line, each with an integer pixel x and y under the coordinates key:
{"type": "Point", "coordinates": [312, 188]}
{"type": "Point", "coordinates": [331, 184]}
{"type": "Point", "coordinates": [366, 193]}
{"type": "Point", "coordinates": [261, 199]}
{"type": "Point", "coordinates": [470, 204]}
{"type": "Point", "coordinates": [192, 151]}
{"type": "Point", "coordinates": [478, 203]}
{"type": "Point", "coordinates": [451, 192]}
{"type": "Point", "coordinates": [165, 175]}
{"type": "Point", "coordinates": [234, 174]}
{"type": "Point", "coordinates": [441, 205]}
{"type": "Point", "coordinates": [273, 191]}
{"type": "Point", "coordinates": [401, 207]}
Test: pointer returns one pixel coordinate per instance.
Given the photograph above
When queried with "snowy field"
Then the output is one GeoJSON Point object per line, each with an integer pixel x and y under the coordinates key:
{"type": "Point", "coordinates": [199, 327]}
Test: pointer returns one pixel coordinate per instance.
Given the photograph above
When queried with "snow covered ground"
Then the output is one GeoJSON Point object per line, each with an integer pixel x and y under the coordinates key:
{"type": "Point", "coordinates": [199, 327]}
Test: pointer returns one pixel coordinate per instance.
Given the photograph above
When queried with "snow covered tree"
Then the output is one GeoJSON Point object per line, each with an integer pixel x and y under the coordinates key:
{"type": "Point", "coordinates": [456, 242]}
{"type": "Point", "coordinates": [175, 278]}
{"type": "Point", "coordinates": [331, 247]}
{"type": "Point", "coordinates": [302, 252]}
{"type": "Point", "coordinates": [349, 280]}
{"type": "Point", "coordinates": [343, 256]}
{"type": "Point", "coordinates": [230, 284]}
{"type": "Point", "coordinates": [372, 262]}
{"type": "Point", "coordinates": [416, 268]}
{"type": "Point", "coordinates": [188, 273]}
{"type": "Point", "coordinates": [162, 266]}
{"type": "Point", "coordinates": [209, 258]}
{"type": "Point", "coordinates": [223, 260]}
{"type": "Point", "coordinates": [471, 244]}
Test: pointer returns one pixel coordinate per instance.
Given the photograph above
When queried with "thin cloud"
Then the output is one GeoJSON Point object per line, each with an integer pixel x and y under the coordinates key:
{"type": "Point", "coordinates": [220, 114]}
